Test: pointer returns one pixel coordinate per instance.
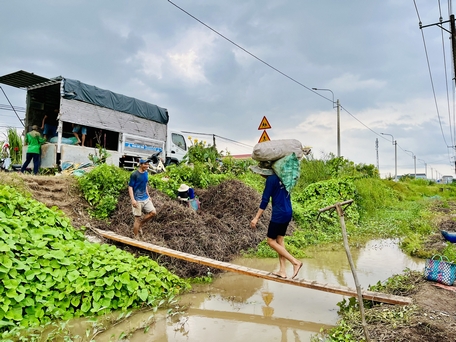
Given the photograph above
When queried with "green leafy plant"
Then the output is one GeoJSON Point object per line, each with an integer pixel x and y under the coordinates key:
{"type": "Point", "coordinates": [101, 188]}
{"type": "Point", "coordinates": [99, 157]}
{"type": "Point", "coordinates": [49, 271]}
{"type": "Point", "coordinates": [201, 152]}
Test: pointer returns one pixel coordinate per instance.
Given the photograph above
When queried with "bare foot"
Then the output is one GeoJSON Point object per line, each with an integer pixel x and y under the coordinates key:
{"type": "Point", "coordinates": [296, 269]}
{"type": "Point", "coordinates": [279, 275]}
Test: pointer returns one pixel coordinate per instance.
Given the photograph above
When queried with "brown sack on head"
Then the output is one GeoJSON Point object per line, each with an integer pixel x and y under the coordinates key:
{"type": "Point", "coordinates": [276, 149]}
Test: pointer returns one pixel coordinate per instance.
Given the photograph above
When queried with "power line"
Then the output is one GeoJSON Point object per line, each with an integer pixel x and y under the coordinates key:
{"type": "Point", "coordinates": [15, 108]}
{"type": "Point", "coordinates": [11, 106]}
{"type": "Point", "coordinates": [248, 52]}
{"type": "Point", "coordinates": [218, 136]}
{"type": "Point", "coordinates": [453, 136]}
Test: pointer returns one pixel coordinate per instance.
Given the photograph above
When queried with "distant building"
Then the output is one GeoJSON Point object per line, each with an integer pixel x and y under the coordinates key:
{"type": "Point", "coordinates": [421, 176]}
{"type": "Point", "coordinates": [411, 175]}
{"type": "Point", "coordinates": [447, 179]}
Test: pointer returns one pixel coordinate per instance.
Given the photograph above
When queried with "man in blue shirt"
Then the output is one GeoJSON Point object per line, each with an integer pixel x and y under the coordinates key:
{"type": "Point", "coordinates": [139, 195]}
{"type": "Point", "coordinates": [280, 218]}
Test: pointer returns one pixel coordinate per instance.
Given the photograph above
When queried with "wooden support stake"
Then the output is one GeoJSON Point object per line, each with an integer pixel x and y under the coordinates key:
{"type": "Point", "coordinates": [340, 212]}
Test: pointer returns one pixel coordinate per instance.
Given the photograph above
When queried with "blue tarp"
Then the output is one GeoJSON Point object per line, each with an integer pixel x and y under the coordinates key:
{"type": "Point", "coordinates": [76, 90]}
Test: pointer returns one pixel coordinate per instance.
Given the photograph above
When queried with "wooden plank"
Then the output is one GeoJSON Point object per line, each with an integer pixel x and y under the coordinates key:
{"type": "Point", "coordinates": [337, 289]}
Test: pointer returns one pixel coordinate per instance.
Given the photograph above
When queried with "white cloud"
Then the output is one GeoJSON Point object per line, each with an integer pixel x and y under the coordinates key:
{"type": "Point", "coordinates": [189, 65]}
{"type": "Point", "coordinates": [350, 82]}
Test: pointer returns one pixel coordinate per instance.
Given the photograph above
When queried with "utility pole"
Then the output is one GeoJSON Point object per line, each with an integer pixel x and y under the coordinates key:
{"type": "Point", "coordinates": [376, 150]}
{"type": "Point", "coordinates": [338, 127]}
{"type": "Point", "coordinates": [453, 42]}
{"type": "Point", "coordinates": [337, 104]}
{"type": "Point", "coordinates": [425, 168]}
{"type": "Point", "coordinates": [452, 33]}
{"type": "Point", "coordinates": [395, 154]}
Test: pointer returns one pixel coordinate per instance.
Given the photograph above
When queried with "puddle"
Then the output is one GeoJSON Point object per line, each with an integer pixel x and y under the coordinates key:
{"type": "Point", "coordinates": [238, 307]}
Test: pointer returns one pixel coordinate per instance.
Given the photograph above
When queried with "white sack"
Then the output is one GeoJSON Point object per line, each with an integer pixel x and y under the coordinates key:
{"type": "Point", "coordinates": [276, 149]}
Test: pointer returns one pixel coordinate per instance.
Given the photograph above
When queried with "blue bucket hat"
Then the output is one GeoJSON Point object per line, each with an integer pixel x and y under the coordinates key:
{"type": "Point", "coordinates": [144, 161]}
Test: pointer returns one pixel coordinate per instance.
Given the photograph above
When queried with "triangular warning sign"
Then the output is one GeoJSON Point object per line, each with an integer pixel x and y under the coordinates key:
{"type": "Point", "coordinates": [264, 137]}
{"type": "Point", "coordinates": [264, 124]}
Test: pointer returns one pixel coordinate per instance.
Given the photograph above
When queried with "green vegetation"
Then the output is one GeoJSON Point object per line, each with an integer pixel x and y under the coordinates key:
{"type": "Point", "coordinates": [49, 271]}
{"type": "Point", "coordinates": [15, 145]}
{"type": "Point", "coordinates": [196, 176]}
{"type": "Point", "coordinates": [201, 152]}
{"type": "Point", "coordinates": [101, 188]}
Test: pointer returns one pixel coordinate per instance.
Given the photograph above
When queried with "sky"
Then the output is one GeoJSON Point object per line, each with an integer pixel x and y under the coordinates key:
{"type": "Point", "coordinates": [219, 67]}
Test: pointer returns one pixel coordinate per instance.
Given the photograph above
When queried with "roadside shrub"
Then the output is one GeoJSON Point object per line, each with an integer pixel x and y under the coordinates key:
{"type": "Point", "coordinates": [236, 166]}
{"type": "Point", "coordinates": [196, 176]}
{"type": "Point", "coordinates": [201, 152]}
{"type": "Point", "coordinates": [322, 194]}
{"type": "Point", "coordinates": [101, 188]}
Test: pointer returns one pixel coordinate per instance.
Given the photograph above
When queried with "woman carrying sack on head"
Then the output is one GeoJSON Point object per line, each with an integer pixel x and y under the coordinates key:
{"type": "Point", "coordinates": [281, 217]}
{"type": "Point", "coordinates": [34, 140]}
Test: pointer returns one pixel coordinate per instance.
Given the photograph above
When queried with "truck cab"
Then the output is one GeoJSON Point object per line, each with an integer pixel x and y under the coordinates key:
{"type": "Point", "coordinates": [176, 147]}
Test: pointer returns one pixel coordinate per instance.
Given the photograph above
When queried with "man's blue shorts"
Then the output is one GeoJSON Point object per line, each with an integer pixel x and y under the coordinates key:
{"type": "Point", "coordinates": [49, 131]}
{"type": "Point", "coordinates": [83, 129]}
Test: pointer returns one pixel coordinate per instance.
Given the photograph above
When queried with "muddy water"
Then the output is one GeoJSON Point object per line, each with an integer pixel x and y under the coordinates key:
{"type": "Point", "coordinates": [242, 308]}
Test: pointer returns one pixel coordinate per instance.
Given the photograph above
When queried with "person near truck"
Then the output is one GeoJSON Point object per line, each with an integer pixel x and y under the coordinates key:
{"type": "Point", "coordinates": [139, 195]}
{"type": "Point", "coordinates": [49, 124]}
{"type": "Point", "coordinates": [83, 129]}
{"type": "Point", "coordinates": [280, 218]}
{"type": "Point", "coordinates": [33, 140]}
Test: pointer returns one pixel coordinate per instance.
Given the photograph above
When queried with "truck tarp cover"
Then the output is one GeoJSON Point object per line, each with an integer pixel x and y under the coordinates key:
{"type": "Point", "coordinates": [76, 90]}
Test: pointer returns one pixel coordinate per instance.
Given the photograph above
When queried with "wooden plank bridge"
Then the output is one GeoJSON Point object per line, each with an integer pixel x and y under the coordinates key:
{"type": "Point", "coordinates": [341, 290]}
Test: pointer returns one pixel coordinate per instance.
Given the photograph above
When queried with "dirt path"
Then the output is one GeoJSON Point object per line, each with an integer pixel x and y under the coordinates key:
{"type": "Point", "coordinates": [61, 192]}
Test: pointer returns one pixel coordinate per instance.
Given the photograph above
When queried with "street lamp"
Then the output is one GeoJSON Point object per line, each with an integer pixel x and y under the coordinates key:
{"type": "Point", "coordinates": [414, 160]}
{"type": "Point", "coordinates": [337, 104]}
{"type": "Point", "coordinates": [425, 167]}
{"type": "Point", "coordinates": [395, 154]}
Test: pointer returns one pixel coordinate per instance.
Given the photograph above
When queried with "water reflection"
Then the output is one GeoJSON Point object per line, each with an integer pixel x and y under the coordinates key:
{"type": "Point", "coordinates": [237, 307]}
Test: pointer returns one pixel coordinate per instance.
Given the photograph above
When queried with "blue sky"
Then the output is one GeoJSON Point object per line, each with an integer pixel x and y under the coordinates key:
{"type": "Point", "coordinates": [370, 54]}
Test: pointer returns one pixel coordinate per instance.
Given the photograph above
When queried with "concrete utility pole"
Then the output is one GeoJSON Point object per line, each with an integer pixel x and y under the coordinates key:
{"type": "Point", "coordinates": [335, 105]}
{"type": "Point", "coordinates": [376, 150]}
{"type": "Point", "coordinates": [414, 160]}
{"type": "Point", "coordinates": [338, 127]}
{"type": "Point", "coordinates": [395, 154]}
{"type": "Point", "coordinates": [425, 167]}
{"type": "Point", "coordinates": [453, 42]}
{"type": "Point", "coordinates": [452, 33]}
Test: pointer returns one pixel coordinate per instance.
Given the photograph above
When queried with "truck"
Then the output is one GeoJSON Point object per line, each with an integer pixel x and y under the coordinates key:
{"type": "Point", "coordinates": [126, 127]}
